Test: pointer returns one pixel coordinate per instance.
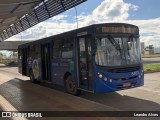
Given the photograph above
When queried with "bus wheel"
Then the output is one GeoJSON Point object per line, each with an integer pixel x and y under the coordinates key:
{"type": "Point", "coordinates": [32, 79]}
{"type": "Point", "coordinates": [71, 86]}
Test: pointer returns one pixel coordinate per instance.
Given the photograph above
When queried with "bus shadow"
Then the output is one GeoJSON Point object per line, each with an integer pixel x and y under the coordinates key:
{"type": "Point", "coordinates": [114, 99]}
{"type": "Point", "coordinates": [122, 102]}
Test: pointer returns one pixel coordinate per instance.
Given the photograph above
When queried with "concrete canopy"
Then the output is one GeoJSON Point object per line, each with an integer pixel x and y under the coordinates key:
{"type": "Point", "coordinates": [19, 15]}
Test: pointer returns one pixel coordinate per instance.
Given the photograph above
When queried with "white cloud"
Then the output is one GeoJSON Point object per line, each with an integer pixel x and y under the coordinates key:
{"type": "Point", "coordinates": [107, 11]}
{"type": "Point", "coordinates": [53, 26]}
{"type": "Point", "coordinates": [59, 17]}
{"type": "Point", "coordinates": [134, 7]}
{"type": "Point", "coordinates": [149, 30]}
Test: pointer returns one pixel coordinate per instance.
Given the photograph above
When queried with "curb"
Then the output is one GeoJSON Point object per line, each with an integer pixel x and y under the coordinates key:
{"type": "Point", "coordinates": [151, 57]}
{"type": "Point", "coordinates": [151, 72]}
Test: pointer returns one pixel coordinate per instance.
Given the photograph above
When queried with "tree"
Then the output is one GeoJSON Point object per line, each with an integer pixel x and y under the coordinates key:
{"type": "Point", "coordinates": [1, 55]}
{"type": "Point", "coordinates": [151, 47]}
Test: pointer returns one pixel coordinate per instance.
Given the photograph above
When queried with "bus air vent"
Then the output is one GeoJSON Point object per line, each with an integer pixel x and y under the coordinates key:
{"type": "Point", "coordinates": [123, 70]}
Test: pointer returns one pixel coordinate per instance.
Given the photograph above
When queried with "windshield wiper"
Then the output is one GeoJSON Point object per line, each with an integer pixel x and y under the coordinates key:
{"type": "Point", "coordinates": [114, 43]}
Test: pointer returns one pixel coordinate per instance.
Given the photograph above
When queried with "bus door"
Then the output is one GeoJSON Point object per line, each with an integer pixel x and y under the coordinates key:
{"type": "Point", "coordinates": [24, 53]}
{"type": "Point", "coordinates": [45, 57]}
{"type": "Point", "coordinates": [85, 63]}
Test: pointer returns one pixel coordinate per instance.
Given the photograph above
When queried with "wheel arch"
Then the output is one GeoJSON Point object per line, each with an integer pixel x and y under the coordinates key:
{"type": "Point", "coordinates": [66, 76]}
{"type": "Point", "coordinates": [30, 69]}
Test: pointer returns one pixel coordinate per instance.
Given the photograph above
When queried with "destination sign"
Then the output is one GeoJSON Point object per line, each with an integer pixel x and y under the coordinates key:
{"type": "Point", "coordinates": [128, 29]}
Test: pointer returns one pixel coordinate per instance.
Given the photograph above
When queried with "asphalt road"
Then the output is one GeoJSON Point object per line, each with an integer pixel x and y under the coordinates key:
{"type": "Point", "coordinates": [146, 98]}
{"type": "Point", "coordinates": [151, 60]}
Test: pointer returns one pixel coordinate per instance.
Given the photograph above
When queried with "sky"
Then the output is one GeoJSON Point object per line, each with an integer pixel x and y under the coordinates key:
{"type": "Point", "coordinates": [143, 13]}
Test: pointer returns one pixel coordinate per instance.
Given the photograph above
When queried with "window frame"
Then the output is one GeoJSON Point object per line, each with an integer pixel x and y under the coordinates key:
{"type": "Point", "coordinates": [62, 48]}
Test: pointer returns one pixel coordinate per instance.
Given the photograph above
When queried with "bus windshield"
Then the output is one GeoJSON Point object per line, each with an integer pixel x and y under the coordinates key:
{"type": "Point", "coordinates": [117, 51]}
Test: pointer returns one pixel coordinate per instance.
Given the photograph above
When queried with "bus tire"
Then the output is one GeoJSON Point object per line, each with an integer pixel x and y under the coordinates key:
{"type": "Point", "coordinates": [31, 76]}
{"type": "Point", "coordinates": [71, 87]}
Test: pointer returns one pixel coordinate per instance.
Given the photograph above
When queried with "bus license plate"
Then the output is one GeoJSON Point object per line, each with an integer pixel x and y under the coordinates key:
{"type": "Point", "coordinates": [126, 84]}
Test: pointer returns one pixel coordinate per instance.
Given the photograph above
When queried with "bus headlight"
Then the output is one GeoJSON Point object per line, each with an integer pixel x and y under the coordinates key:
{"type": "Point", "coordinates": [100, 75]}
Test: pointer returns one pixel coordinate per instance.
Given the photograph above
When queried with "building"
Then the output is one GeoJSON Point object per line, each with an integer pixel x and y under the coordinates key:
{"type": "Point", "coordinates": [157, 50]}
{"type": "Point", "coordinates": [142, 48]}
{"type": "Point", "coordinates": [149, 49]}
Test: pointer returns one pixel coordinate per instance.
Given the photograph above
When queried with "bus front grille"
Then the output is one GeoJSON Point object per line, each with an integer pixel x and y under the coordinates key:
{"type": "Point", "coordinates": [122, 79]}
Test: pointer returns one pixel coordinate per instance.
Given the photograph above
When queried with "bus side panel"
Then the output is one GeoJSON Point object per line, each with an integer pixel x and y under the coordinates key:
{"type": "Point", "coordinates": [35, 61]}
{"type": "Point", "coordinates": [35, 65]}
{"type": "Point", "coordinates": [62, 59]}
{"type": "Point", "coordinates": [59, 68]}
{"type": "Point", "coordinates": [56, 77]}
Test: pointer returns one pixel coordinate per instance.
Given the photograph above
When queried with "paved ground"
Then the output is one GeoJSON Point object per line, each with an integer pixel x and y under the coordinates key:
{"type": "Point", "coordinates": [151, 60]}
{"type": "Point", "coordinates": [142, 98]}
{"type": "Point", "coordinates": [19, 95]}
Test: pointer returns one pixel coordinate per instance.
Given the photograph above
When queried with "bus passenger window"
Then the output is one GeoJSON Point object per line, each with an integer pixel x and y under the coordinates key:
{"type": "Point", "coordinates": [31, 51]}
{"type": "Point", "coordinates": [57, 48]}
{"type": "Point", "coordinates": [37, 51]}
{"type": "Point", "coordinates": [56, 53]}
{"type": "Point", "coordinates": [67, 48]}
{"type": "Point", "coordinates": [67, 53]}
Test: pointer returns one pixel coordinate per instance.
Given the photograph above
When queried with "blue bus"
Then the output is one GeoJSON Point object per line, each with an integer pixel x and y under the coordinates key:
{"type": "Point", "coordinates": [99, 58]}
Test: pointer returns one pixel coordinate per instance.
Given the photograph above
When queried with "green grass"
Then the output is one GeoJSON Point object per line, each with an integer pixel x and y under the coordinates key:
{"type": "Point", "coordinates": [151, 67]}
{"type": "Point", "coordinates": [3, 62]}
{"type": "Point", "coordinates": [9, 62]}
{"type": "Point", "coordinates": [151, 56]}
